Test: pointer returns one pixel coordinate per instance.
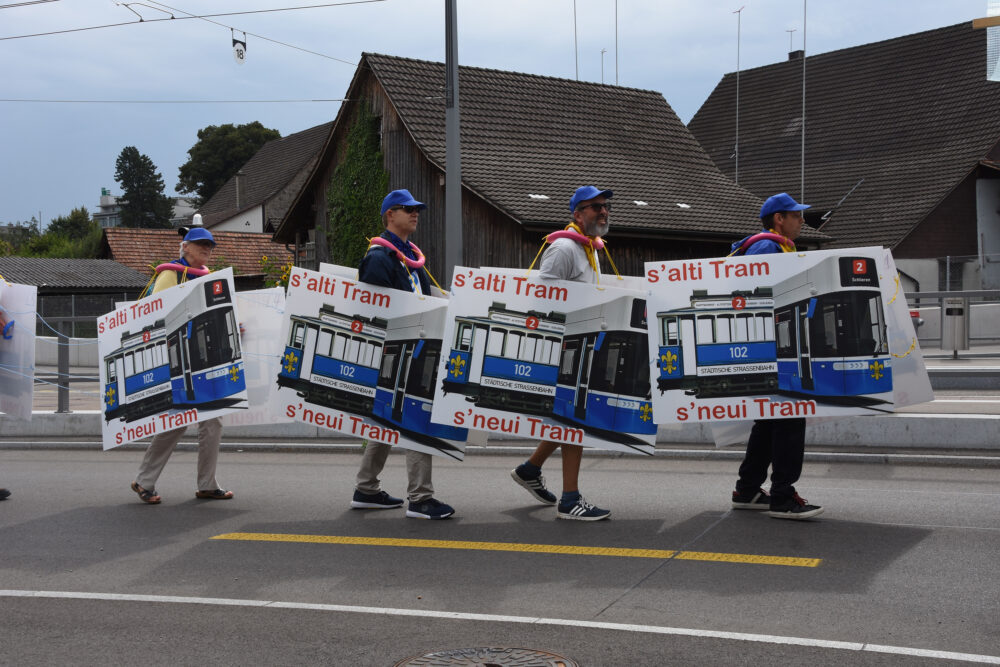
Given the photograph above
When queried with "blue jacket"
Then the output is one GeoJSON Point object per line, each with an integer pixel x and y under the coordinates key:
{"type": "Point", "coordinates": [762, 247]}
{"type": "Point", "coordinates": [380, 266]}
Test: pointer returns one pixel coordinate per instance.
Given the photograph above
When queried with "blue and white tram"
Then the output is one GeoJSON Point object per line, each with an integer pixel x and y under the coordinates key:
{"type": "Point", "coordinates": [831, 333]}
{"type": "Point", "coordinates": [508, 360]}
{"type": "Point", "coordinates": [407, 377]}
{"type": "Point", "coordinates": [603, 382]}
{"type": "Point", "coordinates": [334, 359]}
{"type": "Point", "coordinates": [722, 345]}
{"type": "Point", "coordinates": [203, 350]}
{"type": "Point", "coordinates": [137, 377]}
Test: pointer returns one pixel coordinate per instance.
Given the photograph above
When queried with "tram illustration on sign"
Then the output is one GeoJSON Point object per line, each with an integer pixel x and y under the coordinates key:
{"type": "Point", "coordinates": [189, 359]}
{"type": "Point", "coordinates": [382, 368]}
{"type": "Point", "coordinates": [820, 333]}
{"type": "Point", "coordinates": [508, 360]}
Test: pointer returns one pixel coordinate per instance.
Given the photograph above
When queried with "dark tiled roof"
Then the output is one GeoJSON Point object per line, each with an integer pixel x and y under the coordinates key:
{"type": "Point", "coordinates": [266, 173]}
{"type": "Point", "coordinates": [143, 249]}
{"type": "Point", "coordinates": [70, 273]}
{"type": "Point", "coordinates": [524, 134]}
{"type": "Point", "coordinates": [911, 116]}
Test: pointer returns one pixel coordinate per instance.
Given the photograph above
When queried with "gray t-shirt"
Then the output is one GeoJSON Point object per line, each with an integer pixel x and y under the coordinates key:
{"type": "Point", "coordinates": [565, 259]}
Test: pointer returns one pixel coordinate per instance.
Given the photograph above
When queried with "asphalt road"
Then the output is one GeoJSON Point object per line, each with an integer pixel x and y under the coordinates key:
{"type": "Point", "coordinates": [901, 569]}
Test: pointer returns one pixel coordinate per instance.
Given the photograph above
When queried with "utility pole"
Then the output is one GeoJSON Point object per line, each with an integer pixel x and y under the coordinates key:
{"type": "Point", "coordinates": [576, 48]}
{"type": "Point", "coordinates": [603, 51]}
{"type": "Point", "coordinates": [802, 168]}
{"type": "Point", "coordinates": [453, 147]}
{"type": "Point", "coordinates": [616, 42]}
{"type": "Point", "coordinates": [736, 143]}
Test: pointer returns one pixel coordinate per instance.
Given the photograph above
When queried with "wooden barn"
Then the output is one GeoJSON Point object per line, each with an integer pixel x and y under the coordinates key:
{"type": "Point", "coordinates": [527, 143]}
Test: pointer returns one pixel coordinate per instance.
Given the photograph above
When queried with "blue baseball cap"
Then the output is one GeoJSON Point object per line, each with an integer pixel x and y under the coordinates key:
{"type": "Point", "coordinates": [400, 198]}
{"type": "Point", "coordinates": [585, 193]}
{"type": "Point", "coordinates": [199, 234]}
{"type": "Point", "coordinates": [781, 202]}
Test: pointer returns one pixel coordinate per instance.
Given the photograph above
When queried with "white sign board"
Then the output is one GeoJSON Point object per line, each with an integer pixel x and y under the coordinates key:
{"type": "Point", "coordinates": [17, 348]}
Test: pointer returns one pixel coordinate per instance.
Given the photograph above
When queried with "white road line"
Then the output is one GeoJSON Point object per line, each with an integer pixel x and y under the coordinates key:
{"type": "Point", "coordinates": [529, 620]}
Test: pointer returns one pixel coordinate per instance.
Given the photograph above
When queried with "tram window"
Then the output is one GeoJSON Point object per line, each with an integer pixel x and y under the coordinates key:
{"type": "Point", "coordinates": [705, 327]}
{"type": "Point", "coordinates": [231, 336]}
{"type": "Point", "coordinates": [173, 351]}
{"type": "Point", "coordinates": [298, 329]}
{"type": "Point", "coordinates": [744, 329]}
{"type": "Point", "coordinates": [668, 331]}
{"type": "Point", "coordinates": [140, 365]}
{"type": "Point", "coordinates": [353, 350]}
{"type": "Point", "coordinates": [161, 354]}
{"type": "Point", "coordinates": [567, 366]}
{"type": "Point", "coordinates": [420, 382]}
{"type": "Point", "coordinates": [785, 334]}
{"type": "Point", "coordinates": [339, 345]}
{"type": "Point", "coordinates": [365, 354]}
{"type": "Point", "coordinates": [724, 329]}
{"type": "Point", "coordinates": [376, 355]}
{"type": "Point", "coordinates": [388, 368]}
{"type": "Point", "coordinates": [555, 350]}
{"type": "Point", "coordinates": [323, 342]}
{"type": "Point", "coordinates": [110, 370]}
{"type": "Point", "coordinates": [765, 327]}
{"type": "Point", "coordinates": [464, 337]}
{"type": "Point", "coordinates": [823, 328]}
{"type": "Point", "coordinates": [147, 358]}
{"type": "Point", "coordinates": [494, 346]}
{"type": "Point", "coordinates": [528, 347]}
{"type": "Point", "coordinates": [875, 316]}
{"type": "Point", "coordinates": [513, 347]}
{"type": "Point", "coordinates": [129, 366]}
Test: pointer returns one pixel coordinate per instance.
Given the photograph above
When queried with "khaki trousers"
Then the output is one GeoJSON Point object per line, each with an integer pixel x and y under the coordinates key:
{"type": "Point", "coordinates": [418, 472]}
{"type": "Point", "coordinates": [162, 446]}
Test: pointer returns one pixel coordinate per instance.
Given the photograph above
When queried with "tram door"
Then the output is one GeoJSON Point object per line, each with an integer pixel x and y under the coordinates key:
{"type": "Point", "coordinates": [308, 352]}
{"type": "Point", "coordinates": [186, 361]}
{"type": "Point", "coordinates": [478, 354]}
{"type": "Point", "coordinates": [689, 358]}
{"type": "Point", "coordinates": [584, 378]}
{"type": "Point", "coordinates": [402, 372]}
{"type": "Point", "coordinates": [805, 358]}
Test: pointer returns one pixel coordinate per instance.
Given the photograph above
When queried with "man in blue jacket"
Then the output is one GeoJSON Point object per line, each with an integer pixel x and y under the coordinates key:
{"type": "Point", "coordinates": [393, 261]}
{"type": "Point", "coordinates": [776, 443]}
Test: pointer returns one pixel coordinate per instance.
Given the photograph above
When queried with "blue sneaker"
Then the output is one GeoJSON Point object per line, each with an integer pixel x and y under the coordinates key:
{"type": "Point", "coordinates": [534, 485]}
{"type": "Point", "coordinates": [429, 509]}
{"type": "Point", "coordinates": [374, 501]}
{"type": "Point", "coordinates": [581, 510]}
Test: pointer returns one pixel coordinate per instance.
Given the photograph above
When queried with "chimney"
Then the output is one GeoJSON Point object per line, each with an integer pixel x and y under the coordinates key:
{"type": "Point", "coordinates": [796, 55]}
{"type": "Point", "coordinates": [239, 177]}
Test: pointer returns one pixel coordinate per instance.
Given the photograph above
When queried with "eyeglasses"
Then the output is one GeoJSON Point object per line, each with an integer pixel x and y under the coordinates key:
{"type": "Point", "coordinates": [596, 208]}
{"type": "Point", "coordinates": [407, 209]}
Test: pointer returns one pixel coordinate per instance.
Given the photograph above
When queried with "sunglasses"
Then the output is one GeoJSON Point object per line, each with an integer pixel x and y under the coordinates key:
{"type": "Point", "coordinates": [407, 209]}
{"type": "Point", "coordinates": [596, 208]}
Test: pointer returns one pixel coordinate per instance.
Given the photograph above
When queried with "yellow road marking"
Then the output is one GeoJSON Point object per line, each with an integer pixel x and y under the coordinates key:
{"type": "Point", "coordinates": [524, 548]}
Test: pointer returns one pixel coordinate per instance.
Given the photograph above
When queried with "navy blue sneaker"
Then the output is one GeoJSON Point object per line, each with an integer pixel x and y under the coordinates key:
{"type": "Point", "coordinates": [374, 501]}
{"type": "Point", "coordinates": [534, 485]}
{"type": "Point", "coordinates": [581, 510]}
{"type": "Point", "coordinates": [4, 493]}
{"type": "Point", "coordinates": [429, 509]}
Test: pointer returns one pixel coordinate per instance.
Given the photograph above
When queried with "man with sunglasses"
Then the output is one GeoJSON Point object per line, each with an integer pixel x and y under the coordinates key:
{"type": "Point", "coordinates": [570, 259]}
{"type": "Point", "coordinates": [393, 261]}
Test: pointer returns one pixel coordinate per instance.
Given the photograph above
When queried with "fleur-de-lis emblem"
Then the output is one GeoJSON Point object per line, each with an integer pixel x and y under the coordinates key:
{"type": "Point", "coordinates": [667, 361]}
{"type": "Point", "coordinates": [110, 395]}
{"type": "Point", "coordinates": [290, 361]}
{"type": "Point", "coordinates": [876, 369]}
{"type": "Point", "coordinates": [457, 363]}
{"type": "Point", "coordinates": [644, 411]}
{"type": "Point", "coordinates": [234, 373]}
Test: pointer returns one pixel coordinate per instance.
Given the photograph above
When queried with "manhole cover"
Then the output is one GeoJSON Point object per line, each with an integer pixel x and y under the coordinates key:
{"type": "Point", "coordinates": [488, 657]}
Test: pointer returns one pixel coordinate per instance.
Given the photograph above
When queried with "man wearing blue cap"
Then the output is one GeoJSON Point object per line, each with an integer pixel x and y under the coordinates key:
{"type": "Point", "coordinates": [570, 258]}
{"type": "Point", "coordinates": [196, 252]}
{"type": "Point", "coordinates": [393, 261]}
{"type": "Point", "coordinates": [778, 443]}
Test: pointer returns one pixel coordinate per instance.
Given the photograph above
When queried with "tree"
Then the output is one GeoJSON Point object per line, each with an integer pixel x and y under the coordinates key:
{"type": "Point", "coordinates": [218, 154]}
{"type": "Point", "coordinates": [74, 226]}
{"type": "Point", "coordinates": [143, 203]}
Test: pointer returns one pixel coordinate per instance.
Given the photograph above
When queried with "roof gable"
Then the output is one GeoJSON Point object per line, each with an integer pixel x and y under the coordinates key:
{"type": "Point", "coordinates": [525, 135]}
{"type": "Point", "coordinates": [265, 174]}
{"type": "Point", "coordinates": [901, 122]}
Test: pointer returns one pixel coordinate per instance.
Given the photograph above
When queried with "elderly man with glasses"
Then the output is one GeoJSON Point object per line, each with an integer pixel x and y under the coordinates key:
{"type": "Point", "coordinates": [570, 258]}
{"type": "Point", "coordinates": [393, 261]}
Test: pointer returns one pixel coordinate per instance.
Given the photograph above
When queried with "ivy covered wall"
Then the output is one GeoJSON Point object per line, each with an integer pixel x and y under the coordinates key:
{"type": "Point", "coordinates": [357, 187]}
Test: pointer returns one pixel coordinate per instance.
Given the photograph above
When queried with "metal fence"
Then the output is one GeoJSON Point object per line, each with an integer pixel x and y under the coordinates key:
{"type": "Point", "coordinates": [948, 319]}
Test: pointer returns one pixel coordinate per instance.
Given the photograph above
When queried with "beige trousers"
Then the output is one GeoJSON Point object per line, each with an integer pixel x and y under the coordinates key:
{"type": "Point", "coordinates": [418, 472]}
{"type": "Point", "coordinates": [162, 446]}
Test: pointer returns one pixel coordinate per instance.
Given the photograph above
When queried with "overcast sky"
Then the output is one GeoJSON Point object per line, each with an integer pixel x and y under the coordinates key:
{"type": "Point", "coordinates": [57, 155]}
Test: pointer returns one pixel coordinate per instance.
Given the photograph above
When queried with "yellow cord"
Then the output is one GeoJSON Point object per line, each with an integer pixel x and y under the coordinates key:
{"type": "Point", "coordinates": [896, 293]}
{"type": "Point", "coordinates": [429, 275]}
{"type": "Point", "coordinates": [913, 344]}
{"type": "Point", "coordinates": [5, 280]}
{"type": "Point", "coordinates": [536, 258]}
